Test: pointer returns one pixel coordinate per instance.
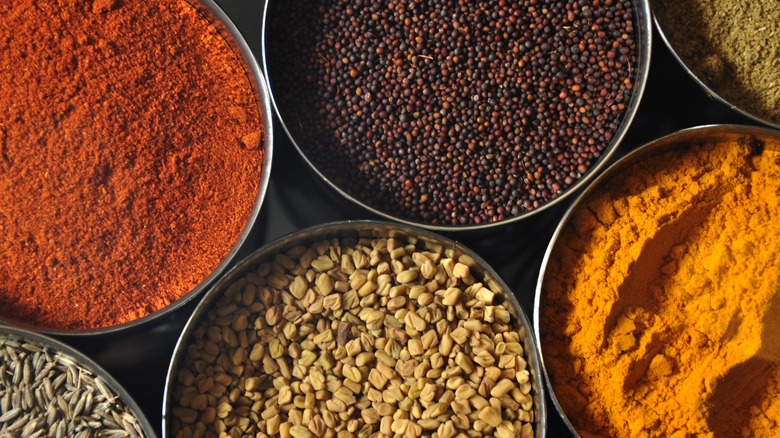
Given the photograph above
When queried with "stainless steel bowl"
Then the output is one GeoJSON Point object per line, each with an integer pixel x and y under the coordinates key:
{"type": "Point", "coordinates": [706, 87]}
{"type": "Point", "coordinates": [697, 135]}
{"type": "Point", "coordinates": [290, 122]}
{"type": "Point", "coordinates": [370, 229]}
{"type": "Point", "coordinates": [62, 353]}
{"type": "Point", "coordinates": [256, 78]}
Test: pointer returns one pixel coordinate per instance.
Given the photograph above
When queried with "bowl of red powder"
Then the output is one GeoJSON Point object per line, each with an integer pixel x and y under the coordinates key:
{"type": "Point", "coordinates": [135, 152]}
{"type": "Point", "coordinates": [657, 304]}
{"type": "Point", "coordinates": [456, 116]}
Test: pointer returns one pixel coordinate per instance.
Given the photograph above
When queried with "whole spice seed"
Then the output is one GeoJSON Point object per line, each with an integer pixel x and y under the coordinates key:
{"type": "Point", "coordinates": [363, 369]}
{"type": "Point", "coordinates": [124, 179]}
{"type": "Point", "coordinates": [69, 400]}
{"type": "Point", "coordinates": [453, 112]}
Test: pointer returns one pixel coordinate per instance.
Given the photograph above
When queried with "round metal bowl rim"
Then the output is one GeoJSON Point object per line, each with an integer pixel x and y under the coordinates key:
{"type": "Point", "coordinates": [232, 36]}
{"type": "Point", "coordinates": [706, 87]}
{"type": "Point", "coordinates": [82, 360]}
{"type": "Point", "coordinates": [334, 228]}
{"type": "Point", "coordinates": [652, 147]}
{"type": "Point", "coordinates": [642, 9]}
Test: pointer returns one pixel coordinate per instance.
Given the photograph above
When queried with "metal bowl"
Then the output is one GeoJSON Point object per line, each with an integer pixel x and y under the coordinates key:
{"type": "Point", "coordinates": [704, 85]}
{"type": "Point", "coordinates": [290, 123]}
{"type": "Point", "coordinates": [242, 50]}
{"type": "Point", "coordinates": [85, 369]}
{"type": "Point", "coordinates": [361, 229]}
{"type": "Point", "coordinates": [770, 140]}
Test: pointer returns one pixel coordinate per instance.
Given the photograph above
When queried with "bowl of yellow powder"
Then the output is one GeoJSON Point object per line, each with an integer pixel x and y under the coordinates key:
{"type": "Point", "coordinates": [657, 305]}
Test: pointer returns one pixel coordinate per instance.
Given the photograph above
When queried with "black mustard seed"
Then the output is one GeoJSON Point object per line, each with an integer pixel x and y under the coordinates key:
{"type": "Point", "coordinates": [452, 112]}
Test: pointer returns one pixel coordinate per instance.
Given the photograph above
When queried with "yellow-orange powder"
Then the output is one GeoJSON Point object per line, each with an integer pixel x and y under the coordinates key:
{"type": "Point", "coordinates": [661, 302]}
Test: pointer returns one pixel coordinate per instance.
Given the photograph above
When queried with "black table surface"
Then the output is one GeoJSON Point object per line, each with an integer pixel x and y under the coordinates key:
{"type": "Point", "coordinates": [296, 199]}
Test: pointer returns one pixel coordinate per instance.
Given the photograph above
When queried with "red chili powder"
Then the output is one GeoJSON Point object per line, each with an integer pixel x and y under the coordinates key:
{"type": "Point", "coordinates": [131, 150]}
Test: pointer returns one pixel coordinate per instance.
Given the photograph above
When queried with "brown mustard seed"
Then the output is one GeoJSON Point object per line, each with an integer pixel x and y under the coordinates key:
{"type": "Point", "coordinates": [356, 368]}
{"type": "Point", "coordinates": [453, 112]}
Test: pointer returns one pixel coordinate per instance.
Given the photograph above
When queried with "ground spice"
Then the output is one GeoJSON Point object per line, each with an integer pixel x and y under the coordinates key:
{"type": "Point", "coordinates": [130, 154]}
{"type": "Point", "coordinates": [733, 46]}
{"type": "Point", "coordinates": [453, 112]}
{"type": "Point", "coordinates": [660, 303]}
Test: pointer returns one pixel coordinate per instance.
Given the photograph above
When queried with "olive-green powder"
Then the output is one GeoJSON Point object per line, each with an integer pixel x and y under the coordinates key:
{"type": "Point", "coordinates": [733, 46]}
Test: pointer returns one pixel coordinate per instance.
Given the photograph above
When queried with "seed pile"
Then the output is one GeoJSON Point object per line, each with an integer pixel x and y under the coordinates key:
{"type": "Point", "coordinates": [453, 112]}
{"type": "Point", "coordinates": [46, 394]}
{"type": "Point", "coordinates": [368, 338]}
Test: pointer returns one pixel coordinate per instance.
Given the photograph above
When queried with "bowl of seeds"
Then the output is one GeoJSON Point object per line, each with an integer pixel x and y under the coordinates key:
{"type": "Point", "coordinates": [355, 329]}
{"type": "Point", "coordinates": [730, 48]}
{"type": "Point", "coordinates": [49, 389]}
{"type": "Point", "coordinates": [456, 115]}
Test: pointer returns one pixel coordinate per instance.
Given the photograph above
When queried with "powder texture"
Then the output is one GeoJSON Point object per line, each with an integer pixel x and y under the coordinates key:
{"type": "Point", "coordinates": [661, 302]}
{"type": "Point", "coordinates": [124, 180]}
{"type": "Point", "coordinates": [733, 46]}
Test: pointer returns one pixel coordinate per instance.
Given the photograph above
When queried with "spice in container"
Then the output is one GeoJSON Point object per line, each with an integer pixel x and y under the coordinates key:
{"type": "Point", "coordinates": [732, 46]}
{"type": "Point", "coordinates": [660, 299]}
{"type": "Point", "coordinates": [354, 338]}
{"type": "Point", "coordinates": [131, 149]}
{"type": "Point", "coordinates": [452, 113]}
{"type": "Point", "coordinates": [49, 393]}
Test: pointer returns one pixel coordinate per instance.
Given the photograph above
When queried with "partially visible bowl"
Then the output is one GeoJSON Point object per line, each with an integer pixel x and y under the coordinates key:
{"type": "Point", "coordinates": [640, 314]}
{"type": "Point", "coordinates": [50, 389]}
{"type": "Point", "coordinates": [730, 49]}
{"type": "Point", "coordinates": [454, 117]}
{"type": "Point", "coordinates": [250, 344]}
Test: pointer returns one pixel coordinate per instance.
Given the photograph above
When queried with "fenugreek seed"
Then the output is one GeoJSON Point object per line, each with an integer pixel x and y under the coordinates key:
{"type": "Point", "coordinates": [460, 335]}
{"type": "Point", "coordinates": [185, 415]}
{"type": "Point", "coordinates": [332, 302]}
{"type": "Point", "coordinates": [300, 432]}
{"type": "Point", "coordinates": [323, 264]}
{"type": "Point", "coordinates": [502, 387]}
{"type": "Point", "coordinates": [377, 379]}
{"type": "Point", "coordinates": [425, 299]}
{"type": "Point", "coordinates": [407, 276]}
{"type": "Point", "coordinates": [490, 416]}
{"type": "Point", "coordinates": [485, 359]}
{"type": "Point", "coordinates": [298, 287]}
{"type": "Point", "coordinates": [461, 270]}
{"type": "Point", "coordinates": [451, 372]}
{"type": "Point", "coordinates": [414, 321]}
{"type": "Point", "coordinates": [447, 430]}
{"type": "Point", "coordinates": [451, 296]}
{"type": "Point", "coordinates": [429, 339]}
{"type": "Point", "coordinates": [486, 296]}
{"type": "Point", "coordinates": [429, 424]}
{"type": "Point", "coordinates": [352, 373]}
{"type": "Point", "coordinates": [473, 325]}
{"type": "Point", "coordinates": [523, 376]}
{"type": "Point", "coordinates": [385, 358]}
{"type": "Point", "coordinates": [364, 358]}
{"type": "Point", "coordinates": [336, 406]}
{"type": "Point", "coordinates": [461, 407]}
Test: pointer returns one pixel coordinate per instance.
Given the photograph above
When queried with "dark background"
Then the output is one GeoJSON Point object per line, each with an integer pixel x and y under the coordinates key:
{"type": "Point", "coordinates": [296, 199]}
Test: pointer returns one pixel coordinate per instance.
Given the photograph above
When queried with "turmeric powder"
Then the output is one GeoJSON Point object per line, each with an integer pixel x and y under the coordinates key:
{"type": "Point", "coordinates": [660, 304]}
